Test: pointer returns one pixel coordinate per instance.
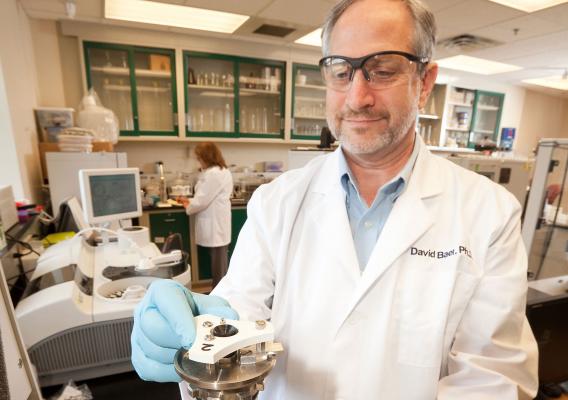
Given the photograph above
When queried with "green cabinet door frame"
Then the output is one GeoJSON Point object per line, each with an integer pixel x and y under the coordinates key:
{"type": "Point", "coordinates": [478, 94]}
{"type": "Point", "coordinates": [131, 50]}
{"type": "Point", "coordinates": [187, 55]}
{"type": "Point", "coordinates": [295, 68]}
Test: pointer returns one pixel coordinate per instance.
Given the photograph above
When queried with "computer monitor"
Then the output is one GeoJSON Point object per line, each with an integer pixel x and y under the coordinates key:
{"type": "Point", "coordinates": [110, 194]}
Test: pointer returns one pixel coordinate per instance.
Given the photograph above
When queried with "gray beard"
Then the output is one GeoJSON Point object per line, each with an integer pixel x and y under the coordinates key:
{"type": "Point", "coordinates": [393, 135]}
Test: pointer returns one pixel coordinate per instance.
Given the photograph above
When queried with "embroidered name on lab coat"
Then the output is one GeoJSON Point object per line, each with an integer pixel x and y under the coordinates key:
{"type": "Point", "coordinates": [414, 251]}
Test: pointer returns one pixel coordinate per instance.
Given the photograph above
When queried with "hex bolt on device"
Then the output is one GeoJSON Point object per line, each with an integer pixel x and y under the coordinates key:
{"type": "Point", "coordinates": [228, 359]}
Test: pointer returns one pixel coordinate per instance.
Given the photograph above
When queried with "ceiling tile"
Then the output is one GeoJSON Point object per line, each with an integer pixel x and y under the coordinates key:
{"type": "Point", "coordinates": [303, 12]}
{"type": "Point", "coordinates": [248, 7]}
{"type": "Point", "coordinates": [475, 14]}
{"type": "Point", "coordinates": [558, 14]}
{"type": "Point", "coordinates": [527, 26]}
{"type": "Point", "coordinates": [538, 45]}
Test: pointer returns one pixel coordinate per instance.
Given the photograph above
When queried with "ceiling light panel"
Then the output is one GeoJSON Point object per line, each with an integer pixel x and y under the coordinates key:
{"type": "Point", "coordinates": [153, 12]}
{"type": "Point", "coordinates": [555, 82]}
{"type": "Point", "coordinates": [529, 5]}
{"type": "Point", "coordinates": [311, 39]}
{"type": "Point", "coordinates": [476, 65]}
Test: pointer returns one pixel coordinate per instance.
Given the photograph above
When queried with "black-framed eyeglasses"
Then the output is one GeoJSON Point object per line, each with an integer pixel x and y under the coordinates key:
{"type": "Point", "coordinates": [382, 70]}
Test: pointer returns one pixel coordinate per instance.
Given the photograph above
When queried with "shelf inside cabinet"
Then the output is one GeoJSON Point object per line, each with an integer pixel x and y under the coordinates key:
{"type": "Point", "coordinates": [320, 118]}
{"type": "Point", "coordinates": [314, 99]}
{"type": "Point", "coordinates": [485, 131]}
{"type": "Point", "coordinates": [315, 87]}
{"type": "Point", "coordinates": [487, 108]}
{"type": "Point", "coordinates": [450, 128]}
{"type": "Point", "coordinates": [428, 116]}
{"type": "Point", "coordinates": [126, 88]}
{"type": "Point", "coordinates": [258, 91]}
{"type": "Point", "coordinates": [147, 73]}
{"type": "Point", "coordinates": [452, 103]}
{"type": "Point", "coordinates": [208, 87]}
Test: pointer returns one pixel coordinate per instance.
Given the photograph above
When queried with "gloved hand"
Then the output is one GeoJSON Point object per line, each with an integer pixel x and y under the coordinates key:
{"type": "Point", "coordinates": [163, 322]}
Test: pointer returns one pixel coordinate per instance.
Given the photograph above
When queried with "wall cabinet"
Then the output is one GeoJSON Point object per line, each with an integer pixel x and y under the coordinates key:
{"type": "Point", "coordinates": [137, 83]}
{"type": "Point", "coordinates": [308, 102]}
{"type": "Point", "coordinates": [229, 96]}
{"type": "Point", "coordinates": [237, 97]}
{"type": "Point", "coordinates": [472, 116]}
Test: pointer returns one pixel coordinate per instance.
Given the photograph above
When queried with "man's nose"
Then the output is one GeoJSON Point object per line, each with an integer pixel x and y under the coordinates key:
{"type": "Point", "coordinates": [359, 94]}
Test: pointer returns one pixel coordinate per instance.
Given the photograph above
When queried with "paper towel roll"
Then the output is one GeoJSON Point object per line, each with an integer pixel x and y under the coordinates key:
{"type": "Point", "coordinates": [139, 234]}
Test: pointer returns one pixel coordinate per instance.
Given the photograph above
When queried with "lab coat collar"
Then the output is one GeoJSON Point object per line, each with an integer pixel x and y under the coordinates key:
{"type": "Point", "coordinates": [410, 218]}
{"type": "Point", "coordinates": [426, 182]}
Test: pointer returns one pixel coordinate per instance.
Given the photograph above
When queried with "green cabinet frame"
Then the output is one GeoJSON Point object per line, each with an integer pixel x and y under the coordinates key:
{"type": "Point", "coordinates": [293, 134]}
{"type": "Point", "coordinates": [187, 55]}
{"type": "Point", "coordinates": [476, 108]}
{"type": "Point", "coordinates": [131, 50]}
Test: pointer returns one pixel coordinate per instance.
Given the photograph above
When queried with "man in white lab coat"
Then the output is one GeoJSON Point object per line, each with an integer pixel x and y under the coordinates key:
{"type": "Point", "coordinates": [388, 273]}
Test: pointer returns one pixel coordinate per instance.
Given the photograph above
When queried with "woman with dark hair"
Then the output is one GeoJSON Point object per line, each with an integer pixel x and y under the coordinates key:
{"type": "Point", "coordinates": [211, 205]}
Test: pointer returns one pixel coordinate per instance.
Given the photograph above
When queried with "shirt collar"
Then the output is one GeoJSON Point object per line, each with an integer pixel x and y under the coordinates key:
{"type": "Point", "coordinates": [402, 177]}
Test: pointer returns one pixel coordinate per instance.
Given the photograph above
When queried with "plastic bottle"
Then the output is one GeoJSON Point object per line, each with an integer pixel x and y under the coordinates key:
{"type": "Point", "coordinates": [227, 121]}
{"type": "Point", "coordinates": [243, 121]}
{"type": "Point", "coordinates": [264, 126]}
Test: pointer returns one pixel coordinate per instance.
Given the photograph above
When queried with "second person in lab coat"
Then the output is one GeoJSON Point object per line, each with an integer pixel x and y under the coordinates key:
{"type": "Point", "coordinates": [211, 205]}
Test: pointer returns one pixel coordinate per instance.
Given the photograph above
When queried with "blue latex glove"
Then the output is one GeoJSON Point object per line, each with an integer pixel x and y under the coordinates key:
{"type": "Point", "coordinates": [163, 322]}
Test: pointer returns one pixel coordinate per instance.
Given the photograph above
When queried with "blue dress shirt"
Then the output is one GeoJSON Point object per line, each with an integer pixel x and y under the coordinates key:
{"type": "Point", "coordinates": [367, 222]}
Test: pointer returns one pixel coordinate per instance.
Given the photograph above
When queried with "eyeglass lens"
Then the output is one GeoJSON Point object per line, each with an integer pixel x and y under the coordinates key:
{"type": "Point", "coordinates": [381, 71]}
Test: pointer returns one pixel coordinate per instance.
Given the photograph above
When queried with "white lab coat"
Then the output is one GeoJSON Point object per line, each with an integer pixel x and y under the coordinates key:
{"type": "Point", "coordinates": [212, 205]}
{"type": "Point", "coordinates": [411, 326]}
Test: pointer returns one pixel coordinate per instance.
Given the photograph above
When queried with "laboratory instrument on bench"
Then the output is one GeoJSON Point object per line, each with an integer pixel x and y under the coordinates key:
{"type": "Point", "coordinates": [76, 312]}
{"type": "Point", "coordinates": [545, 226]}
{"type": "Point", "coordinates": [511, 173]}
{"type": "Point", "coordinates": [545, 235]}
{"type": "Point", "coordinates": [229, 359]}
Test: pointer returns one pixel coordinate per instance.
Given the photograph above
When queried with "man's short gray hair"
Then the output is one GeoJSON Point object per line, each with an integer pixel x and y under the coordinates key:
{"type": "Point", "coordinates": [424, 26]}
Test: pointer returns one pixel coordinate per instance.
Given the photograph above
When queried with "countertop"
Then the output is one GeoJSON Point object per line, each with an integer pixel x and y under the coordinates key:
{"type": "Point", "coordinates": [234, 203]}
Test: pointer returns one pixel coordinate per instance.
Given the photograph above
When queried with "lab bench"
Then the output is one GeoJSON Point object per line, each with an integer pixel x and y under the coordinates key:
{"type": "Point", "coordinates": [163, 222]}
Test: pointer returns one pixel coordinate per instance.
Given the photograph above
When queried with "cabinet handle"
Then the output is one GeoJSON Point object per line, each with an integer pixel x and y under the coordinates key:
{"type": "Point", "coordinates": [170, 220]}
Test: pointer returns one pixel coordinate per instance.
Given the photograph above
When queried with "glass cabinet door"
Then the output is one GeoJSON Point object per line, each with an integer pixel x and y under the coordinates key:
{"type": "Point", "coordinates": [486, 117]}
{"type": "Point", "coordinates": [210, 96]}
{"type": "Point", "coordinates": [137, 84]}
{"type": "Point", "coordinates": [308, 109]}
{"type": "Point", "coordinates": [110, 78]}
{"type": "Point", "coordinates": [260, 99]}
{"type": "Point", "coordinates": [154, 95]}
{"type": "Point", "coordinates": [460, 109]}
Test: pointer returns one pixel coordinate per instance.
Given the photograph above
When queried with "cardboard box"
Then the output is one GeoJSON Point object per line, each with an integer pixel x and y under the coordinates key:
{"type": "Point", "coordinates": [159, 62]}
{"type": "Point", "coordinates": [45, 147]}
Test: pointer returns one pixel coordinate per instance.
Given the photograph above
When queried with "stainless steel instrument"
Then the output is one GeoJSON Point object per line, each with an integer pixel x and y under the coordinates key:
{"type": "Point", "coordinates": [229, 359]}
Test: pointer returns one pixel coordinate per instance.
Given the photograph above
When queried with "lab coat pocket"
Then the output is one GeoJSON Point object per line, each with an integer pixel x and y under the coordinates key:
{"type": "Point", "coordinates": [425, 297]}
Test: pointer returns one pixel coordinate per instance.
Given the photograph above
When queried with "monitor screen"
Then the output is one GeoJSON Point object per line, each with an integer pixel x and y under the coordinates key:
{"type": "Point", "coordinates": [110, 194]}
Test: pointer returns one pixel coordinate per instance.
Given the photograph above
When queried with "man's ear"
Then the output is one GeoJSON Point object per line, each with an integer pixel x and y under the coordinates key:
{"type": "Point", "coordinates": [428, 82]}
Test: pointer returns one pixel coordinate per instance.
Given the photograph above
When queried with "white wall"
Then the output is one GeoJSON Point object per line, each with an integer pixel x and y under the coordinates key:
{"type": "Point", "coordinates": [179, 156]}
{"type": "Point", "coordinates": [20, 81]}
{"type": "Point", "coordinates": [542, 116]}
{"type": "Point", "coordinates": [46, 48]}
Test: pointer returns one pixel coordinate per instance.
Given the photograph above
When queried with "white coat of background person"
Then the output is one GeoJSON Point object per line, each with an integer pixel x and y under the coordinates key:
{"type": "Point", "coordinates": [437, 311]}
{"type": "Point", "coordinates": [211, 205]}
